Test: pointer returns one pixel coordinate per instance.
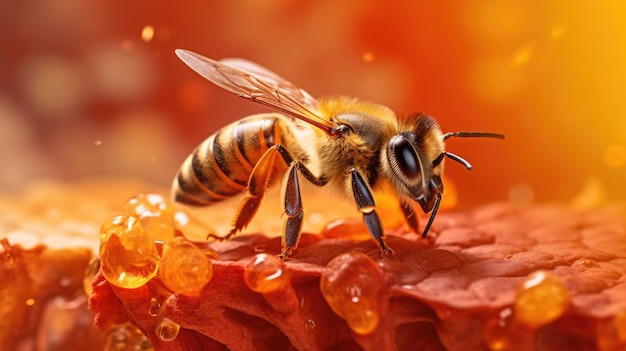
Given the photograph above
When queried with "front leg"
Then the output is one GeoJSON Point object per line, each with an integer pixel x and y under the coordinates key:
{"type": "Point", "coordinates": [365, 203]}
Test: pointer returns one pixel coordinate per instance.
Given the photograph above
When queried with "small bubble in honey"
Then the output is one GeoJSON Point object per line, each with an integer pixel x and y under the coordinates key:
{"type": "Point", "coordinates": [310, 325]}
{"type": "Point", "coordinates": [184, 269]}
{"type": "Point", "coordinates": [541, 299]}
{"type": "Point", "coordinates": [350, 285]}
{"type": "Point", "coordinates": [265, 273]}
{"type": "Point", "coordinates": [156, 215]}
{"type": "Point", "coordinates": [128, 256]}
{"type": "Point", "coordinates": [167, 330]}
{"type": "Point", "coordinates": [155, 307]}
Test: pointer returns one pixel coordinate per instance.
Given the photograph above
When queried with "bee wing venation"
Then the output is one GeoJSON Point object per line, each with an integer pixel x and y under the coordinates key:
{"type": "Point", "coordinates": [257, 83]}
{"type": "Point", "coordinates": [270, 78]}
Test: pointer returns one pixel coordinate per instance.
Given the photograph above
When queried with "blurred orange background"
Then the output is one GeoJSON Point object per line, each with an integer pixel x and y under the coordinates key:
{"type": "Point", "coordinates": [94, 88]}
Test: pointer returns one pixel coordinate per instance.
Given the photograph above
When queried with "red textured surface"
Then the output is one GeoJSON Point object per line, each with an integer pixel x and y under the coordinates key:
{"type": "Point", "coordinates": [57, 317]}
{"type": "Point", "coordinates": [439, 293]}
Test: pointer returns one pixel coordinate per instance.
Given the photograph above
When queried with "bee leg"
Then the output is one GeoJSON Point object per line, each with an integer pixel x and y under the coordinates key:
{"type": "Point", "coordinates": [365, 202]}
{"type": "Point", "coordinates": [409, 216]}
{"type": "Point", "coordinates": [292, 207]}
{"type": "Point", "coordinates": [257, 183]}
{"type": "Point", "coordinates": [292, 201]}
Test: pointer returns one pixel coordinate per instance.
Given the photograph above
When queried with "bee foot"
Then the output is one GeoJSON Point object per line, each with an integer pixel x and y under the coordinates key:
{"type": "Point", "coordinates": [283, 256]}
{"type": "Point", "coordinates": [385, 251]}
{"type": "Point", "coordinates": [222, 238]}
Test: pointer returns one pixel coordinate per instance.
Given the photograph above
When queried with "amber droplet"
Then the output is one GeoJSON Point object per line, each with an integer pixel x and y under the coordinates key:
{"type": "Point", "coordinates": [498, 334]}
{"type": "Point", "coordinates": [541, 299]}
{"type": "Point", "coordinates": [90, 273]}
{"type": "Point", "coordinates": [155, 214]}
{"type": "Point", "coordinates": [362, 318]}
{"type": "Point", "coordinates": [126, 337]}
{"type": "Point", "coordinates": [350, 285]}
{"type": "Point", "coordinates": [265, 273]}
{"type": "Point", "coordinates": [128, 256]}
{"type": "Point", "coordinates": [612, 333]}
{"type": "Point", "coordinates": [155, 307]}
{"type": "Point", "coordinates": [619, 323]}
{"type": "Point", "coordinates": [185, 269]}
{"type": "Point", "coordinates": [310, 325]}
{"type": "Point", "coordinates": [167, 330]}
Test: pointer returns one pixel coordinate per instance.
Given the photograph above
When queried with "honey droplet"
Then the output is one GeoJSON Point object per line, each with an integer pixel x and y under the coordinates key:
{"type": "Point", "coordinates": [185, 269]}
{"type": "Point", "coordinates": [612, 333]}
{"type": "Point", "coordinates": [361, 317]}
{"type": "Point", "coordinates": [265, 273]}
{"type": "Point", "coordinates": [541, 299]}
{"type": "Point", "coordinates": [350, 285]}
{"type": "Point", "coordinates": [125, 337]}
{"type": "Point", "coordinates": [155, 214]}
{"type": "Point", "coordinates": [128, 256]}
{"type": "Point", "coordinates": [619, 323]}
{"type": "Point", "coordinates": [155, 307]}
{"type": "Point", "coordinates": [310, 325]}
{"type": "Point", "coordinates": [90, 273]}
{"type": "Point", "coordinates": [498, 334]}
{"type": "Point", "coordinates": [167, 330]}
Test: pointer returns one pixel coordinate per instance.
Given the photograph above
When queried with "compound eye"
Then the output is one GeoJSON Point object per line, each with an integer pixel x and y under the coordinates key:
{"type": "Point", "coordinates": [405, 156]}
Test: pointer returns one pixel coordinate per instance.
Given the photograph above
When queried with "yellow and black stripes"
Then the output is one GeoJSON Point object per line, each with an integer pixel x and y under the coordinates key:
{"type": "Point", "coordinates": [220, 167]}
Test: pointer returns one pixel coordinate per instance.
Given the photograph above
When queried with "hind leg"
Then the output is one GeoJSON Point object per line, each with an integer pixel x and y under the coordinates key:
{"type": "Point", "coordinates": [257, 184]}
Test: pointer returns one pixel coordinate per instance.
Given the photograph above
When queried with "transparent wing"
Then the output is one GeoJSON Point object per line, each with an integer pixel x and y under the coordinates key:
{"type": "Point", "coordinates": [256, 83]}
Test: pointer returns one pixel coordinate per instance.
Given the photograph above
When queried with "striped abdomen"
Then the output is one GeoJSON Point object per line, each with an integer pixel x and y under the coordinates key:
{"type": "Point", "coordinates": [221, 165]}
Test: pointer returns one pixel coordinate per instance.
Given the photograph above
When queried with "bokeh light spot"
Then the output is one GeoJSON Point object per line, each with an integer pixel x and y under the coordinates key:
{"type": "Point", "coordinates": [557, 32]}
{"type": "Point", "coordinates": [522, 55]}
{"type": "Point", "coordinates": [147, 33]}
{"type": "Point", "coordinates": [615, 155]}
{"type": "Point", "coordinates": [499, 20]}
{"type": "Point", "coordinates": [122, 75]}
{"type": "Point", "coordinates": [54, 86]}
{"type": "Point", "coordinates": [592, 194]}
{"type": "Point", "coordinates": [368, 57]}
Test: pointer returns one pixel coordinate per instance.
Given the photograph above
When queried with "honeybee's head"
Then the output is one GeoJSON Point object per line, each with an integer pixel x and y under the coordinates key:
{"type": "Point", "coordinates": [413, 161]}
{"type": "Point", "coordinates": [414, 158]}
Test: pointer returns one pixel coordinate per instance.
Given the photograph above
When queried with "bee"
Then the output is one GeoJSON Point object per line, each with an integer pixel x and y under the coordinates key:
{"type": "Point", "coordinates": [355, 147]}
